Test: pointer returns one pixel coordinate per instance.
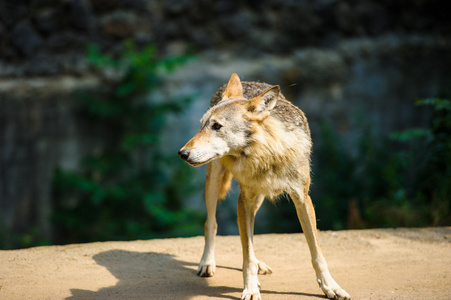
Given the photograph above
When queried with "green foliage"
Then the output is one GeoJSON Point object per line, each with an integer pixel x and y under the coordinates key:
{"type": "Point", "coordinates": [128, 187]}
{"type": "Point", "coordinates": [411, 185]}
{"type": "Point", "coordinates": [14, 240]}
{"type": "Point", "coordinates": [333, 181]}
{"type": "Point", "coordinates": [432, 151]}
{"type": "Point", "coordinates": [403, 180]}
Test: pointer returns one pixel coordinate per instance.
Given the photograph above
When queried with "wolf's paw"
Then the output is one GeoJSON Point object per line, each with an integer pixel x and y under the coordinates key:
{"type": "Point", "coordinates": [206, 269]}
{"type": "Point", "coordinates": [264, 268]}
{"type": "Point", "coordinates": [332, 289]}
{"type": "Point", "coordinates": [247, 295]}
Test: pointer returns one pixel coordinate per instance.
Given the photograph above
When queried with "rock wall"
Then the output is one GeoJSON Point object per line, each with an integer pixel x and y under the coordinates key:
{"type": "Point", "coordinates": [340, 61]}
{"type": "Point", "coordinates": [39, 130]}
{"type": "Point", "coordinates": [48, 37]}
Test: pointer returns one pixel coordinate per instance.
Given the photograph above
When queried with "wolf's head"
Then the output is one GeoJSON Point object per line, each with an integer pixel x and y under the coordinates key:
{"type": "Point", "coordinates": [227, 127]}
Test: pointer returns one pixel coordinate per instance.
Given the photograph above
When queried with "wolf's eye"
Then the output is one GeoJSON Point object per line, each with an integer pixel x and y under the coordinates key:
{"type": "Point", "coordinates": [216, 126]}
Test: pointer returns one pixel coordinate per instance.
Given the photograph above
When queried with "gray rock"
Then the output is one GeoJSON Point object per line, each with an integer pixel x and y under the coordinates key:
{"type": "Point", "coordinates": [81, 16]}
{"type": "Point", "coordinates": [134, 4]}
{"type": "Point", "coordinates": [25, 38]}
{"type": "Point", "coordinates": [62, 40]}
{"type": "Point", "coordinates": [11, 12]}
{"type": "Point", "coordinates": [177, 6]}
{"type": "Point", "coordinates": [119, 24]}
{"type": "Point", "coordinates": [236, 25]}
{"type": "Point", "coordinates": [104, 6]}
{"type": "Point", "coordinates": [42, 64]}
{"type": "Point", "coordinates": [45, 3]}
{"type": "Point", "coordinates": [50, 20]}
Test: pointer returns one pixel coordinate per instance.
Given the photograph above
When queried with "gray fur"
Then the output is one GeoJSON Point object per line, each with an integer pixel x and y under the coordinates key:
{"type": "Point", "coordinates": [290, 115]}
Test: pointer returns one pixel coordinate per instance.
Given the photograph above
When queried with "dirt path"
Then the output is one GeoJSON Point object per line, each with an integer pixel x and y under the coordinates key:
{"type": "Point", "coordinates": [369, 264]}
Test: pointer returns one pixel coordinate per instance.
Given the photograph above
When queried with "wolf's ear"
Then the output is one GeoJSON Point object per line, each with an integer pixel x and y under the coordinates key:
{"type": "Point", "coordinates": [234, 88]}
{"type": "Point", "coordinates": [261, 105]}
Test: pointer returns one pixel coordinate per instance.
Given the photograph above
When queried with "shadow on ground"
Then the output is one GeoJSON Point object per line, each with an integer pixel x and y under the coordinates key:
{"type": "Point", "coordinates": [150, 276]}
{"type": "Point", "coordinates": [159, 276]}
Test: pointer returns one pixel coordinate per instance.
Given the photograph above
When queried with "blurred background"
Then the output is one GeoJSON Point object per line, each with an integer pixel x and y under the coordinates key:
{"type": "Point", "coordinates": [97, 96]}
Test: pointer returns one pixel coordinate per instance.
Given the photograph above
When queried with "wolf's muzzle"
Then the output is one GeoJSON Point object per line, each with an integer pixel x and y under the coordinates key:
{"type": "Point", "coordinates": [184, 154]}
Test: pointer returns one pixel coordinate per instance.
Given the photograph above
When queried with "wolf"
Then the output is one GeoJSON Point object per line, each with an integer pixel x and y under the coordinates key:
{"type": "Point", "coordinates": [253, 134]}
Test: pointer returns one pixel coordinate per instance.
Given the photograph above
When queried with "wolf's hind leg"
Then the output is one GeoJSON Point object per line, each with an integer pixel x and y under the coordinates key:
{"type": "Point", "coordinates": [306, 215]}
{"type": "Point", "coordinates": [218, 182]}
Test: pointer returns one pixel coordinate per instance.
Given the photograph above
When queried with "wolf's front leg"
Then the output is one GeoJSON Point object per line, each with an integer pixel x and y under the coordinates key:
{"type": "Point", "coordinates": [262, 267]}
{"type": "Point", "coordinates": [250, 263]}
{"type": "Point", "coordinates": [213, 184]}
{"type": "Point", "coordinates": [306, 214]}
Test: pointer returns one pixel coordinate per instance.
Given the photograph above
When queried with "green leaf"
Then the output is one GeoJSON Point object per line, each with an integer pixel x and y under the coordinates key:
{"type": "Point", "coordinates": [411, 134]}
{"type": "Point", "coordinates": [438, 103]}
{"type": "Point", "coordinates": [128, 175]}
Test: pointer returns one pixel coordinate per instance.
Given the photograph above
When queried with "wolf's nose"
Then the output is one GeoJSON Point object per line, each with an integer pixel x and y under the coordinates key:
{"type": "Point", "coordinates": [184, 154]}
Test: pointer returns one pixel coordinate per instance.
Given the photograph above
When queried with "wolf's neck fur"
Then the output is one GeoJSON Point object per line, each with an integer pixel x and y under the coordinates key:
{"type": "Point", "coordinates": [272, 160]}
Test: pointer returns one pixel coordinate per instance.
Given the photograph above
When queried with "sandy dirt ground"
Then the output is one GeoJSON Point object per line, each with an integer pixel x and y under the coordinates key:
{"type": "Point", "coordinates": [368, 264]}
